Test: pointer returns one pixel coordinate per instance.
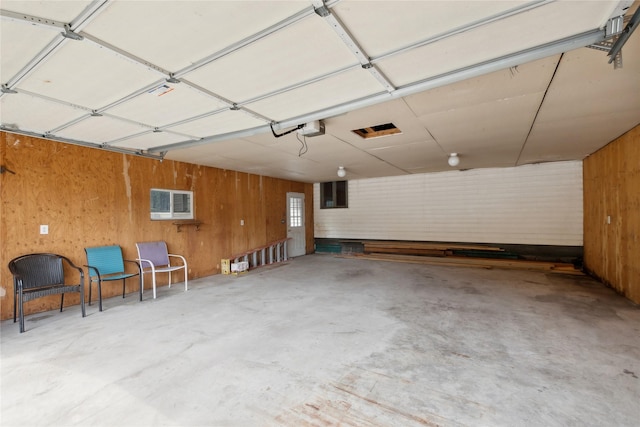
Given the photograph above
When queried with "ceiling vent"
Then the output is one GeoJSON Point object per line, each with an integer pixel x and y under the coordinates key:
{"type": "Point", "coordinates": [377, 131]}
{"type": "Point", "coordinates": [314, 128]}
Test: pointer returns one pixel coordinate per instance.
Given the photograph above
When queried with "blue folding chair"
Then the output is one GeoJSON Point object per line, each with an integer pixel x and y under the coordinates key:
{"type": "Point", "coordinates": [105, 264]}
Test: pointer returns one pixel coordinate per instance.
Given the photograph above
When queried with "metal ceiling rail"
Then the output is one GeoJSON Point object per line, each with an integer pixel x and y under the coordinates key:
{"type": "Point", "coordinates": [479, 69]}
{"type": "Point", "coordinates": [84, 144]}
{"type": "Point", "coordinates": [45, 53]}
{"type": "Point", "coordinates": [144, 132]}
{"type": "Point", "coordinates": [33, 20]}
{"type": "Point", "coordinates": [54, 100]}
{"type": "Point", "coordinates": [626, 33]}
{"type": "Point", "coordinates": [299, 84]}
{"type": "Point", "coordinates": [88, 14]}
{"type": "Point", "coordinates": [352, 44]}
{"type": "Point", "coordinates": [230, 105]}
{"type": "Point", "coordinates": [127, 55]}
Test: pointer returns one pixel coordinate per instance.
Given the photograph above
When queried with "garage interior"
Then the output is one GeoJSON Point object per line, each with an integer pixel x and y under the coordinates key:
{"type": "Point", "coordinates": [490, 153]}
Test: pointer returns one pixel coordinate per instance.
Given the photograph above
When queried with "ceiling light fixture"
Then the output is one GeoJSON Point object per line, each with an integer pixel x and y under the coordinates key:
{"type": "Point", "coordinates": [341, 172]}
{"type": "Point", "coordinates": [454, 160]}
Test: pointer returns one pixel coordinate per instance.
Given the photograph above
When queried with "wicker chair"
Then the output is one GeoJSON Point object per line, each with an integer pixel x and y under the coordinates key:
{"type": "Point", "coordinates": [105, 264]}
{"type": "Point", "coordinates": [40, 275]}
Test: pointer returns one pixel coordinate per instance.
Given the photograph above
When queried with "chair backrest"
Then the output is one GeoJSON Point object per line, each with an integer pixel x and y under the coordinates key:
{"type": "Point", "coordinates": [107, 259]}
{"type": "Point", "coordinates": [36, 270]}
{"type": "Point", "coordinates": [156, 252]}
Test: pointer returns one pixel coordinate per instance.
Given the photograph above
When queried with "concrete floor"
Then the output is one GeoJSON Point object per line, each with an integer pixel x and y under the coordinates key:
{"type": "Point", "coordinates": [331, 341]}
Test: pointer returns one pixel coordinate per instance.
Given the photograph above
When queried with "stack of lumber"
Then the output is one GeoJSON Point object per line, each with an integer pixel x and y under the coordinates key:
{"type": "Point", "coordinates": [446, 254]}
{"type": "Point", "coordinates": [423, 248]}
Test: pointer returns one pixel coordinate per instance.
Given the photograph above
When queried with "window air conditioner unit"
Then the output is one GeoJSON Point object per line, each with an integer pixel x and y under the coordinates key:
{"type": "Point", "coordinates": [314, 128]}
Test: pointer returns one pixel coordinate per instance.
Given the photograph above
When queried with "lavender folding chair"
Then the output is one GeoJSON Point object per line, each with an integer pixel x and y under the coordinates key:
{"type": "Point", "coordinates": [155, 258]}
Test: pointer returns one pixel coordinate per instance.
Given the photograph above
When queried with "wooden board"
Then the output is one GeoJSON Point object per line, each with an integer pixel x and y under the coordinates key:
{"type": "Point", "coordinates": [474, 262]}
{"type": "Point", "coordinates": [612, 214]}
{"type": "Point", "coordinates": [428, 246]}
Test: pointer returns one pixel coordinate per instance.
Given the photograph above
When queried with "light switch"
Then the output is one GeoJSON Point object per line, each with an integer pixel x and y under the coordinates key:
{"type": "Point", "coordinates": [242, 222]}
{"type": "Point", "coordinates": [44, 229]}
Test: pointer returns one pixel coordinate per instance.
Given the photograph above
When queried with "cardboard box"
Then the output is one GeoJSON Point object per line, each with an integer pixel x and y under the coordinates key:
{"type": "Point", "coordinates": [225, 266]}
{"type": "Point", "coordinates": [239, 267]}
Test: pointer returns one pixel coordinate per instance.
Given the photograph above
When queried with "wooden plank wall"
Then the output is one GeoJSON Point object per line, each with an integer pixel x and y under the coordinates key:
{"type": "Point", "coordinates": [91, 197]}
{"type": "Point", "coordinates": [612, 190]}
{"type": "Point", "coordinates": [532, 204]}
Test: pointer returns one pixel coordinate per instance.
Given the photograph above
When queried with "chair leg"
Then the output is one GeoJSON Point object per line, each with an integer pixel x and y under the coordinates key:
{"type": "Point", "coordinates": [90, 283]}
{"type": "Point", "coordinates": [153, 280]}
{"type": "Point", "coordinates": [123, 287]}
{"type": "Point", "coordinates": [100, 294]}
{"type": "Point", "coordinates": [14, 306]}
{"type": "Point", "coordinates": [21, 313]}
{"type": "Point", "coordinates": [61, 302]}
{"type": "Point", "coordinates": [84, 313]}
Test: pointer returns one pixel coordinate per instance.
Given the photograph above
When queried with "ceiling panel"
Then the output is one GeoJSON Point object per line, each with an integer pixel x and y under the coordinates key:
{"type": "Point", "coordinates": [149, 139]}
{"type": "Point", "coordinates": [166, 103]}
{"type": "Point", "coordinates": [331, 150]}
{"type": "Point", "coordinates": [577, 113]}
{"type": "Point", "coordinates": [177, 34]}
{"type": "Point", "coordinates": [526, 30]}
{"type": "Point", "coordinates": [61, 11]}
{"type": "Point", "coordinates": [100, 130]}
{"type": "Point", "coordinates": [341, 88]}
{"type": "Point", "coordinates": [381, 27]}
{"type": "Point", "coordinates": [30, 113]}
{"type": "Point", "coordinates": [570, 97]}
{"type": "Point", "coordinates": [396, 111]}
{"type": "Point", "coordinates": [411, 156]}
{"type": "Point", "coordinates": [19, 43]}
{"type": "Point", "coordinates": [220, 123]}
{"type": "Point", "coordinates": [576, 137]}
{"type": "Point", "coordinates": [502, 124]}
{"type": "Point", "coordinates": [85, 74]}
{"type": "Point", "coordinates": [302, 51]}
{"type": "Point", "coordinates": [527, 78]}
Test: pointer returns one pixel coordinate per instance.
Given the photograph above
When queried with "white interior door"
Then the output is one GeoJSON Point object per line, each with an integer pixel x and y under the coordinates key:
{"type": "Point", "coordinates": [295, 224]}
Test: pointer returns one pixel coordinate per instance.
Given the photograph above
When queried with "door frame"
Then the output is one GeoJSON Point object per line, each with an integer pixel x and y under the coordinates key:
{"type": "Point", "coordinates": [299, 237]}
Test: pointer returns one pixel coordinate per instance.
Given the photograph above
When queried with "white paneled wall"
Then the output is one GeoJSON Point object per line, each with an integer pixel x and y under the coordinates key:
{"type": "Point", "coordinates": [533, 204]}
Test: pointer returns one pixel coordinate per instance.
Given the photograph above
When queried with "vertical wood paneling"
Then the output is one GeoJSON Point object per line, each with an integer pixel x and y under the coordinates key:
{"type": "Point", "coordinates": [92, 197]}
{"type": "Point", "coordinates": [612, 214]}
{"type": "Point", "coordinates": [533, 204]}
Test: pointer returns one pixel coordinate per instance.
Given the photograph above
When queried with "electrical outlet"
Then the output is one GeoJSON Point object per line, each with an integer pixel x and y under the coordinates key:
{"type": "Point", "coordinates": [44, 229]}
